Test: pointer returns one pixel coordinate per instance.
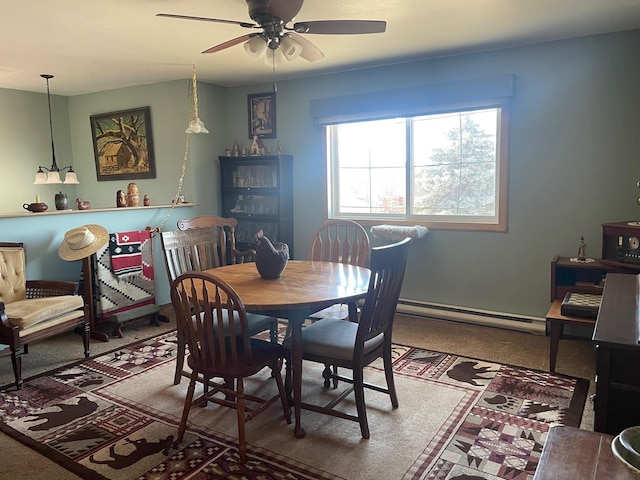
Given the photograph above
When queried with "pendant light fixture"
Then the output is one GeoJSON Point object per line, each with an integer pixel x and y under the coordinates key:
{"type": "Point", "coordinates": [52, 175]}
{"type": "Point", "coordinates": [196, 125]}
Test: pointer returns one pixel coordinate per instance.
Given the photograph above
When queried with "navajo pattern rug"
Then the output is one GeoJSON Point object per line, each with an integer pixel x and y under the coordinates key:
{"type": "Point", "coordinates": [115, 417]}
{"type": "Point", "coordinates": [117, 293]}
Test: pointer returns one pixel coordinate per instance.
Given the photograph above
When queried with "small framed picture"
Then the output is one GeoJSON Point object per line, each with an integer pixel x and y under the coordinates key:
{"type": "Point", "coordinates": [262, 115]}
{"type": "Point", "coordinates": [123, 145]}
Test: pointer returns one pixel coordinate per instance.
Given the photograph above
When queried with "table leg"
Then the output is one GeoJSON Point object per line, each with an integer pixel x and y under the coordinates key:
{"type": "Point", "coordinates": [296, 366]}
{"type": "Point", "coordinates": [557, 327]}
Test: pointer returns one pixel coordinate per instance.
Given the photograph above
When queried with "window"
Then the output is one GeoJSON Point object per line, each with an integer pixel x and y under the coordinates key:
{"type": "Point", "coordinates": [444, 170]}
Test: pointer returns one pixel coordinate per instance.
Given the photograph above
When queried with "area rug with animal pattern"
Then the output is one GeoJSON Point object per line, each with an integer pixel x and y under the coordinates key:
{"type": "Point", "coordinates": [115, 417]}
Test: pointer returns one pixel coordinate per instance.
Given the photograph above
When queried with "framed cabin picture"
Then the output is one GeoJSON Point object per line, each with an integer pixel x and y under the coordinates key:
{"type": "Point", "coordinates": [123, 145]}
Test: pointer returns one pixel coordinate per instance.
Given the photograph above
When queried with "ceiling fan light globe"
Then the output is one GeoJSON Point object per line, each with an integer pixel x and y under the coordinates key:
{"type": "Point", "coordinates": [255, 47]}
{"type": "Point", "coordinates": [290, 48]}
{"type": "Point", "coordinates": [274, 57]}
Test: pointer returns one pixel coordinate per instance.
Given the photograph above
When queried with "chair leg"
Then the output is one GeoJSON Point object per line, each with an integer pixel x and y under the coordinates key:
{"type": "Point", "coordinates": [388, 373]}
{"type": "Point", "coordinates": [288, 380]}
{"type": "Point", "coordinates": [283, 394]}
{"type": "Point", "coordinates": [358, 389]}
{"type": "Point", "coordinates": [242, 443]}
{"type": "Point", "coordinates": [326, 374]}
{"type": "Point", "coordinates": [16, 362]}
{"type": "Point", "coordinates": [273, 332]}
{"type": "Point", "coordinates": [187, 406]}
{"type": "Point", "coordinates": [180, 354]}
{"type": "Point", "coordinates": [85, 338]}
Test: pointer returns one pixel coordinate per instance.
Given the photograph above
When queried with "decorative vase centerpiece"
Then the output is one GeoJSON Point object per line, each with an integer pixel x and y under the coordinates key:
{"type": "Point", "coordinates": [133, 196]}
{"type": "Point", "coordinates": [62, 202]}
{"type": "Point", "coordinates": [271, 258]}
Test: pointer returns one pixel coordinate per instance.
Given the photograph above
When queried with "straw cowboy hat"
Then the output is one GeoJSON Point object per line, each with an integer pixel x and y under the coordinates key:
{"type": "Point", "coordinates": [83, 241]}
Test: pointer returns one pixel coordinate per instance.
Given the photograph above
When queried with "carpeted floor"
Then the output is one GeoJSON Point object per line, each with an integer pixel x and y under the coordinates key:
{"type": "Point", "coordinates": [576, 358]}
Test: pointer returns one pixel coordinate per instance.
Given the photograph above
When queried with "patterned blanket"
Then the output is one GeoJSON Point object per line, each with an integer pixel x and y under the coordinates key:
{"type": "Point", "coordinates": [118, 293]}
{"type": "Point", "coordinates": [125, 249]}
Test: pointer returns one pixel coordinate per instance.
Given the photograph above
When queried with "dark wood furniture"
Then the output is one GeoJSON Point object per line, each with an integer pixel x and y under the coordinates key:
{"type": "Point", "coordinates": [570, 454]}
{"type": "Point", "coordinates": [204, 307]}
{"type": "Point", "coordinates": [258, 191]}
{"type": "Point", "coordinates": [226, 235]}
{"type": "Point", "coordinates": [621, 244]}
{"type": "Point", "coordinates": [303, 287]}
{"type": "Point", "coordinates": [344, 241]}
{"type": "Point", "coordinates": [617, 398]}
{"type": "Point", "coordinates": [352, 346]}
{"type": "Point", "coordinates": [566, 277]}
{"type": "Point", "coordinates": [197, 249]}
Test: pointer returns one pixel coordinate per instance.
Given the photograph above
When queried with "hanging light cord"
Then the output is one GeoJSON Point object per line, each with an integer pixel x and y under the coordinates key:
{"type": "Point", "coordinates": [195, 92]}
{"type": "Point", "coordinates": [187, 145]}
{"type": "Point", "coordinates": [54, 167]}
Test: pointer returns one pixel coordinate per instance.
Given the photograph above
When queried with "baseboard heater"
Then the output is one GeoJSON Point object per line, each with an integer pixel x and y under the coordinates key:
{"type": "Point", "coordinates": [478, 317]}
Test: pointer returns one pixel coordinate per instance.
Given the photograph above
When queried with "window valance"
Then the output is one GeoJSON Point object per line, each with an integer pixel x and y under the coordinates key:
{"type": "Point", "coordinates": [474, 93]}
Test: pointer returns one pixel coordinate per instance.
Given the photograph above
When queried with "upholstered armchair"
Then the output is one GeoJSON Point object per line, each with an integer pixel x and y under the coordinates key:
{"type": "Point", "coordinates": [31, 311]}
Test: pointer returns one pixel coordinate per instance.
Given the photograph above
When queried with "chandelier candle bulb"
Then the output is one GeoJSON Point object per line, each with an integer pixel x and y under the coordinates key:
{"type": "Point", "coordinates": [37, 198]}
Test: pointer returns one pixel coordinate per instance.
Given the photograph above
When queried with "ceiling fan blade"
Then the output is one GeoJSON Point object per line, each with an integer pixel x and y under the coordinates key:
{"type": "Point", "coordinates": [309, 51]}
{"type": "Point", "coordinates": [230, 43]}
{"type": "Point", "coordinates": [207, 19]}
{"type": "Point", "coordinates": [341, 27]}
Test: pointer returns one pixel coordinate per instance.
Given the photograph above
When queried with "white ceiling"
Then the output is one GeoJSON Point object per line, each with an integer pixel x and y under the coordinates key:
{"type": "Point", "coordinates": [95, 45]}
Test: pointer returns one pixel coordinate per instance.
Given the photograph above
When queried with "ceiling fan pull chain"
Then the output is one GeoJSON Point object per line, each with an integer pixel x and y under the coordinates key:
{"type": "Point", "coordinates": [273, 71]}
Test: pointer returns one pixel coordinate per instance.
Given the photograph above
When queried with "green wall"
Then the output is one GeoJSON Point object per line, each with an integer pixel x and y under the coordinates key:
{"type": "Point", "coordinates": [573, 161]}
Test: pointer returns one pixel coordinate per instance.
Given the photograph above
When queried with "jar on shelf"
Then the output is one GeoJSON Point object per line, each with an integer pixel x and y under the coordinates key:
{"type": "Point", "coordinates": [133, 196]}
{"type": "Point", "coordinates": [62, 202]}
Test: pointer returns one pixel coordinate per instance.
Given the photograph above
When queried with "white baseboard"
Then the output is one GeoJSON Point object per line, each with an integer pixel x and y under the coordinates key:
{"type": "Point", "coordinates": [478, 317]}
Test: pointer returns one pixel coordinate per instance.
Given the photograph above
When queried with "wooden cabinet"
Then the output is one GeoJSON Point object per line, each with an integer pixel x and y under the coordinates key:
{"type": "Point", "coordinates": [621, 244]}
{"type": "Point", "coordinates": [568, 276]}
{"type": "Point", "coordinates": [618, 356]}
{"type": "Point", "coordinates": [258, 191]}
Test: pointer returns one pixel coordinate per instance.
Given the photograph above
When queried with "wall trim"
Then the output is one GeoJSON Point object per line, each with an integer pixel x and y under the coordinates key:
{"type": "Point", "coordinates": [489, 318]}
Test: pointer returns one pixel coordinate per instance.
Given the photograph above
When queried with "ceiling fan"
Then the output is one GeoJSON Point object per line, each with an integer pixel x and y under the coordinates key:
{"type": "Point", "coordinates": [272, 18]}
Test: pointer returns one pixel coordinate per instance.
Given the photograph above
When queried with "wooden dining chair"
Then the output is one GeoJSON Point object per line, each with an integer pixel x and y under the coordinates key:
{"type": "Point", "coordinates": [198, 249]}
{"type": "Point", "coordinates": [203, 305]}
{"type": "Point", "coordinates": [333, 341]}
{"type": "Point", "coordinates": [343, 241]}
{"type": "Point", "coordinates": [225, 234]}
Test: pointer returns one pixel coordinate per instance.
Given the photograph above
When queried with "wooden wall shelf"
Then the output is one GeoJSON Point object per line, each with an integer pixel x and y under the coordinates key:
{"type": "Point", "coordinates": [91, 210]}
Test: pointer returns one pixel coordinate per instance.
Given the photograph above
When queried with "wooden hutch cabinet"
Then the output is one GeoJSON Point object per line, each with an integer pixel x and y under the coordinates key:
{"type": "Point", "coordinates": [258, 191]}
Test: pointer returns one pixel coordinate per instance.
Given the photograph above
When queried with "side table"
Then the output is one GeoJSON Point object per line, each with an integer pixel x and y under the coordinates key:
{"type": "Point", "coordinates": [570, 453]}
{"type": "Point", "coordinates": [557, 321]}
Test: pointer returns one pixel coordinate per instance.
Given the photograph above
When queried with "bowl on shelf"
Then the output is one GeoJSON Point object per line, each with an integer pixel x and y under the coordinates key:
{"type": "Point", "coordinates": [625, 457]}
{"type": "Point", "coordinates": [630, 440]}
{"type": "Point", "coordinates": [35, 207]}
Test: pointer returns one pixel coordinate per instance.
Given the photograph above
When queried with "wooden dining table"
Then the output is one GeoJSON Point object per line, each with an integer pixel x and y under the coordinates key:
{"type": "Point", "coordinates": [303, 288]}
